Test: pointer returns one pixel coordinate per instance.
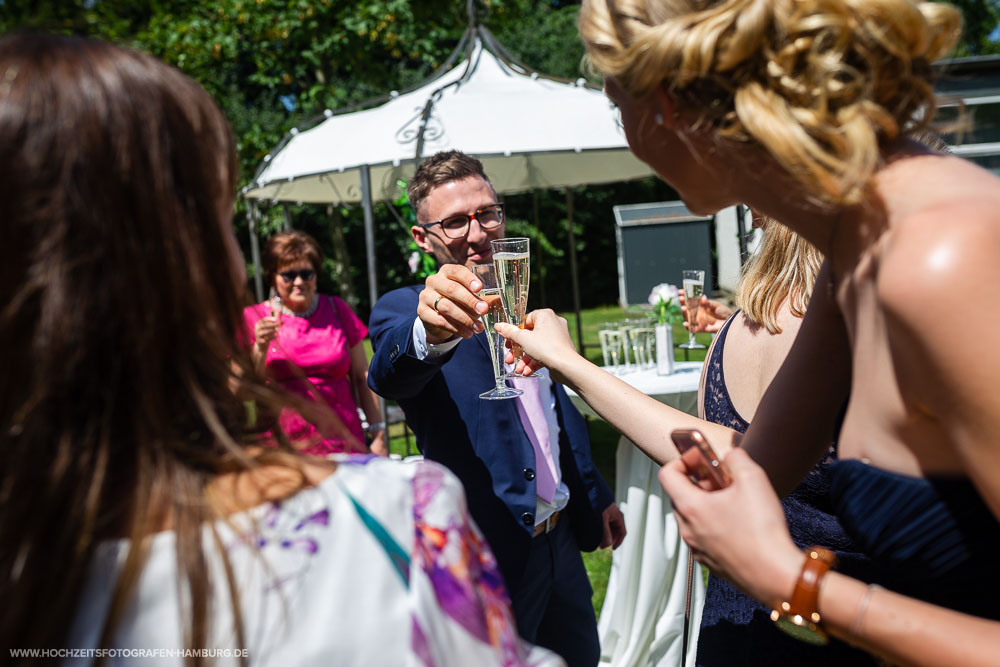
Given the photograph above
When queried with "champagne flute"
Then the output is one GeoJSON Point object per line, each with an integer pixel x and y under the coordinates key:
{"type": "Point", "coordinates": [611, 345]}
{"type": "Point", "coordinates": [276, 309]}
{"type": "Point", "coordinates": [486, 273]}
{"type": "Point", "coordinates": [276, 313]}
{"type": "Point", "coordinates": [511, 258]}
{"type": "Point", "coordinates": [641, 332]}
{"type": "Point", "coordinates": [694, 287]}
{"type": "Point", "coordinates": [626, 341]}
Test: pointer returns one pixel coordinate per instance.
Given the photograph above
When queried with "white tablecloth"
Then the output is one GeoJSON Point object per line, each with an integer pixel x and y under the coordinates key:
{"type": "Point", "coordinates": [642, 620]}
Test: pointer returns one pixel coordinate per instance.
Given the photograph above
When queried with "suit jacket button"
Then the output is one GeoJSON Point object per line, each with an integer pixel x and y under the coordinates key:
{"type": "Point", "coordinates": [529, 474]}
{"type": "Point", "coordinates": [394, 353]}
{"type": "Point", "coordinates": [528, 519]}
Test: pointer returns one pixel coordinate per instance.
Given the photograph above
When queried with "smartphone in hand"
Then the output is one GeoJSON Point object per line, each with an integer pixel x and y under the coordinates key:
{"type": "Point", "coordinates": [701, 460]}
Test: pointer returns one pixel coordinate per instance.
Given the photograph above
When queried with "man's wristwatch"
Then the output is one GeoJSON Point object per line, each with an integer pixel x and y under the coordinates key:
{"type": "Point", "coordinates": [374, 428]}
{"type": "Point", "coordinates": [799, 616]}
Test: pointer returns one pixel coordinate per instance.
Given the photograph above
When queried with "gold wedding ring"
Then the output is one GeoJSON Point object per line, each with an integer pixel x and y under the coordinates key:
{"type": "Point", "coordinates": [435, 306]}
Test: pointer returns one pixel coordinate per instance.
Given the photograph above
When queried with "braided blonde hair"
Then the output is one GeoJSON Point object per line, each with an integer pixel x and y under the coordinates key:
{"type": "Point", "coordinates": [819, 84]}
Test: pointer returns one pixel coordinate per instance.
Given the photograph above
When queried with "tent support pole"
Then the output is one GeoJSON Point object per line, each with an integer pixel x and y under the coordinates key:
{"type": "Point", "coordinates": [258, 280]}
{"type": "Point", "coordinates": [741, 233]}
{"type": "Point", "coordinates": [366, 203]}
{"type": "Point", "coordinates": [287, 212]}
{"type": "Point", "coordinates": [572, 272]}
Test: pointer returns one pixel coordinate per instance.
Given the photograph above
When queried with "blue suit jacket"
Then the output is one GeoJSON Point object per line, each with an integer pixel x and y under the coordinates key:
{"type": "Point", "coordinates": [482, 442]}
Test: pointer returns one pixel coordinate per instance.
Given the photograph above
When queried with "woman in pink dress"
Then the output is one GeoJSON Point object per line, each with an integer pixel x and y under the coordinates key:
{"type": "Point", "coordinates": [311, 344]}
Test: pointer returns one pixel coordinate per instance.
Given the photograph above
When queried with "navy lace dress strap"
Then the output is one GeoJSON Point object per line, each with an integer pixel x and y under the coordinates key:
{"type": "Point", "coordinates": [719, 407]}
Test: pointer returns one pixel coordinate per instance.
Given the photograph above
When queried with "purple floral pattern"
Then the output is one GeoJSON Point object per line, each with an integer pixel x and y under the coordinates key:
{"type": "Point", "coordinates": [461, 568]}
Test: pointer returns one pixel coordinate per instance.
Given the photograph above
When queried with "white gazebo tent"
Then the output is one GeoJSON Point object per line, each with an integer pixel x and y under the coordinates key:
{"type": "Point", "coordinates": [531, 131]}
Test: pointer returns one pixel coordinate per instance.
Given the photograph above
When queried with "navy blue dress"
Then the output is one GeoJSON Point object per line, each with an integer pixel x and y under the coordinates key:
{"type": "Point", "coordinates": [737, 630]}
{"type": "Point", "coordinates": [934, 537]}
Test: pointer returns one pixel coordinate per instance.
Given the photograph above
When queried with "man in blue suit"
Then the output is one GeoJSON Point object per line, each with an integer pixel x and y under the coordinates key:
{"type": "Point", "coordinates": [431, 355]}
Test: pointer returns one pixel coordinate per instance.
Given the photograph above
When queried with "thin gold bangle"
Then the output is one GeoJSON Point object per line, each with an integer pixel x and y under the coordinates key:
{"type": "Point", "coordinates": [859, 617]}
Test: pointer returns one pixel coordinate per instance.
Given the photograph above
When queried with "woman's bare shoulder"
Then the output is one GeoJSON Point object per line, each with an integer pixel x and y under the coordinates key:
{"type": "Point", "coordinates": [941, 255]}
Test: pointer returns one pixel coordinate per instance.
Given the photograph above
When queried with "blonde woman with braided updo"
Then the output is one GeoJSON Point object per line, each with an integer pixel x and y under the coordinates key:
{"type": "Point", "coordinates": [803, 109]}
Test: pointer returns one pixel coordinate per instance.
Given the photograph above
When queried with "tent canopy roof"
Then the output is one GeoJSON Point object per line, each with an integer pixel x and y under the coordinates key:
{"type": "Point", "coordinates": [530, 131]}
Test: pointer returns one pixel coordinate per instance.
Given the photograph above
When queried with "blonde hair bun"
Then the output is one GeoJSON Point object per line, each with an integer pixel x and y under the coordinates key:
{"type": "Point", "coordinates": [818, 83]}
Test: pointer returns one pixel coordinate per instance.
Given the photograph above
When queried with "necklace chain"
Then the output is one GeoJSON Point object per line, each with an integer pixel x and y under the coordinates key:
{"type": "Point", "coordinates": [308, 312]}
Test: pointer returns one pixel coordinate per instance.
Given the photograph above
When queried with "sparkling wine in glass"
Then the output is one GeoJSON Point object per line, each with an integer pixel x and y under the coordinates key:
{"type": "Point", "coordinates": [512, 260]}
{"type": "Point", "coordinates": [276, 313]}
{"type": "Point", "coordinates": [694, 287]}
{"type": "Point", "coordinates": [491, 295]}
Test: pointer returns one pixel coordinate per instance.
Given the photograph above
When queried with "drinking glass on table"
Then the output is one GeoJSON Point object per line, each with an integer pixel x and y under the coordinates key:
{"type": "Point", "coordinates": [491, 295]}
{"type": "Point", "coordinates": [694, 287]}
{"type": "Point", "coordinates": [625, 327]}
{"type": "Point", "coordinates": [512, 260]}
{"type": "Point", "coordinates": [611, 345]}
{"type": "Point", "coordinates": [640, 334]}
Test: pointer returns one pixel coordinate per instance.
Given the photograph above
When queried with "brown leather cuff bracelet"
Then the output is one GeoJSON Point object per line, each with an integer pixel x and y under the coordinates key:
{"type": "Point", "coordinates": [799, 616]}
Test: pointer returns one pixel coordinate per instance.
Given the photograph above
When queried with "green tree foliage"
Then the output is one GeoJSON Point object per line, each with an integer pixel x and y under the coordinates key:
{"type": "Point", "coordinates": [547, 41]}
{"type": "Point", "coordinates": [277, 64]}
{"type": "Point", "coordinates": [981, 20]}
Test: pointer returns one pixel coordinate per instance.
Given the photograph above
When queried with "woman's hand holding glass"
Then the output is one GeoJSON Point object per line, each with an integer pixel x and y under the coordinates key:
{"type": "Point", "coordinates": [545, 341]}
{"type": "Point", "coordinates": [265, 330]}
{"type": "Point", "coordinates": [711, 314]}
{"type": "Point", "coordinates": [738, 532]}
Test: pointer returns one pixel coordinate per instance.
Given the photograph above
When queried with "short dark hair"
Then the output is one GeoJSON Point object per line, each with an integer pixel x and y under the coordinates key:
{"type": "Point", "coordinates": [288, 247]}
{"type": "Point", "coordinates": [441, 168]}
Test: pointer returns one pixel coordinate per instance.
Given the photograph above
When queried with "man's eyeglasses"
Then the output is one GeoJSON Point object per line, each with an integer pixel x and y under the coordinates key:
{"type": "Point", "coordinates": [290, 276]}
{"type": "Point", "coordinates": [457, 226]}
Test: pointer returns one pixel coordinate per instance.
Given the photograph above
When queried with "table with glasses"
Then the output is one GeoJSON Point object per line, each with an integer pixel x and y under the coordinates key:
{"type": "Point", "coordinates": [642, 619]}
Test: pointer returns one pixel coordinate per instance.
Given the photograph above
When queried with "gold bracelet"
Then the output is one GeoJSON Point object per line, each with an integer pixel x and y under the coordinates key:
{"type": "Point", "coordinates": [859, 616]}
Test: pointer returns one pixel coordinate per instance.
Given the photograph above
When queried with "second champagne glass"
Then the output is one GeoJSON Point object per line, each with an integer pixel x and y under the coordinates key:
{"type": "Point", "coordinates": [694, 287]}
{"type": "Point", "coordinates": [491, 295]}
{"type": "Point", "coordinates": [512, 259]}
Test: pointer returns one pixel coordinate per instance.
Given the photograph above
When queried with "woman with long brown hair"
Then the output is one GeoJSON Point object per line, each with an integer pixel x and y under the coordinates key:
{"type": "Point", "coordinates": [140, 517]}
{"type": "Point", "coordinates": [804, 109]}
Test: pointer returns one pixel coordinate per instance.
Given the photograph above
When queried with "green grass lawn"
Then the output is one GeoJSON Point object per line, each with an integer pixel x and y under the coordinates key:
{"type": "Point", "coordinates": [603, 438]}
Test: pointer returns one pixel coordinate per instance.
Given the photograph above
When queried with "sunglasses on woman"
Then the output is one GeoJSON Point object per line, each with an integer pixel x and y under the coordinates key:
{"type": "Point", "coordinates": [290, 276]}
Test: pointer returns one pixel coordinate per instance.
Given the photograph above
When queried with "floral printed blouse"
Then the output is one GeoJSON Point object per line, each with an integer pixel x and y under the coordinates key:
{"type": "Point", "coordinates": [379, 564]}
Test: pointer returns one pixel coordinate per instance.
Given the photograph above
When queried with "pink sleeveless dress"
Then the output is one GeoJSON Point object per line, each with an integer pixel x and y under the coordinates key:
{"type": "Point", "coordinates": [311, 357]}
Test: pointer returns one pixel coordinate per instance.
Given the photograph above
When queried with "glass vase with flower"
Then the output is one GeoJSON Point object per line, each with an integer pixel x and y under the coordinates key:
{"type": "Point", "coordinates": [666, 311]}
